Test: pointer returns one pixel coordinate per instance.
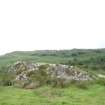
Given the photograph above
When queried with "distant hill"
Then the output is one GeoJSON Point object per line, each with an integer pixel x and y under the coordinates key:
{"type": "Point", "coordinates": [90, 59]}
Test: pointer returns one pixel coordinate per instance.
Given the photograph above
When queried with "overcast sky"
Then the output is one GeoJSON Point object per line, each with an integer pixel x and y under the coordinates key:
{"type": "Point", "coordinates": [51, 24]}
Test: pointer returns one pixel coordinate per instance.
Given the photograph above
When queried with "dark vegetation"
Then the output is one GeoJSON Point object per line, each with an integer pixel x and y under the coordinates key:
{"type": "Point", "coordinates": [90, 60]}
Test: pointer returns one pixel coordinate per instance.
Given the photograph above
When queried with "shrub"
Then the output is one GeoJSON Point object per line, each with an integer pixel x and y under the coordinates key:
{"type": "Point", "coordinates": [82, 84]}
{"type": "Point", "coordinates": [101, 81]}
{"type": "Point", "coordinates": [40, 75]}
{"type": "Point", "coordinates": [7, 83]}
{"type": "Point", "coordinates": [58, 83]}
{"type": "Point", "coordinates": [6, 77]}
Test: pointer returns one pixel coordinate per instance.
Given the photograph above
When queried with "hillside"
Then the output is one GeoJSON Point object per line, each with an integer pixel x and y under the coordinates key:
{"type": "Point", "coordinates": [93, 59]}
{"type": "Point", "coordinates": [52, 77]}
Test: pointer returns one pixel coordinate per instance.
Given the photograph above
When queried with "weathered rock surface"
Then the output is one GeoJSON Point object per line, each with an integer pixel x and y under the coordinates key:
{"type": "Point", "coordinates": [32, 75]}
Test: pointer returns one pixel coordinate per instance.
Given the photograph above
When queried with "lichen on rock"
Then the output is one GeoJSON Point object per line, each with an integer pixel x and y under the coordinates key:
{"type": "Point", "coordinates": [32, 75]}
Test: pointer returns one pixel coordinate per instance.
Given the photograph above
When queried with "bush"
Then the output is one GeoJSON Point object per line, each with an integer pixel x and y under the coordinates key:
{"type": "Point", "coordinates": [58, 82]}
{"type": "Point", "coordinates": [6, 83]}
{"type": "Point", "coordinates": [83, 84]}
{"type": "Point", "coordinates": [101, 81]}
{"type": "Point", "coordinates": [6, 77]}
{"type": "Point", "coordinates": [40, 75]}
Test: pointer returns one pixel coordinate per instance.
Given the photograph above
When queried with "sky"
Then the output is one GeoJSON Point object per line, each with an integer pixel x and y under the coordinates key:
{"type": "Point", "coordinates": [27, 25]}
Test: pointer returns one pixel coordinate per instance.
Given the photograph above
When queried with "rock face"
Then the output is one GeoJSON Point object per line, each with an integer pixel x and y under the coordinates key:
{"type": "Point", "coordinates": [32, 75]}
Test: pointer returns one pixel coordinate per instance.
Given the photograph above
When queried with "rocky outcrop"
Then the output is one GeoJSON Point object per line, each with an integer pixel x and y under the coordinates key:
{"type": "Point", "coordinates": [32, 75]}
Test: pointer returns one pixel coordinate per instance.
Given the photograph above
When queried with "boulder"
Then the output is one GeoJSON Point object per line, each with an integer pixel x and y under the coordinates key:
{"type": "Point", "coordinates": [41, 73]}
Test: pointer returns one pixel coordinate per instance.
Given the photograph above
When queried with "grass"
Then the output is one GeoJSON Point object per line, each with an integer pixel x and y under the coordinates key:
{"type": "Point", "coordinates": [46, 95]}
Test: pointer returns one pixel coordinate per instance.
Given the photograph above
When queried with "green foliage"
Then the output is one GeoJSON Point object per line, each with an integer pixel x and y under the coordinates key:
{"type": "Point", "coordinates": [40, 75]}
{"type": "Point", "coordinates": [6, 78]}
{"type": "Point", "coordinates": [101, 81]}
{"type": "Point", "coordinates": [89, 59]}
{"type": "Point", "coordinates": [58, 82]}
{"type": "Point", "coordinates": [83, 84]}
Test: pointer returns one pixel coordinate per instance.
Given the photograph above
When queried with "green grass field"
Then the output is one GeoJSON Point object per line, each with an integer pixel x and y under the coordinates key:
{"type": "Point", "coordinates": [95, 95]}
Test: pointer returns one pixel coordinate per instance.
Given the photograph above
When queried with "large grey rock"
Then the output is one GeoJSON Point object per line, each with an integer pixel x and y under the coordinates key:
{"type": "Point", "coordinates": [31, 75]}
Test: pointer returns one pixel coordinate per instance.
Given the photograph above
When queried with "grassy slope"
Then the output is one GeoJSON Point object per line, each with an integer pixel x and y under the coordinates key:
{"type": "Point", "coordinates": [53, 96]}
{"type": "Point", "coordinates": [56, 56]}
{"type": "Point", "coordinates": [91, 59]}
